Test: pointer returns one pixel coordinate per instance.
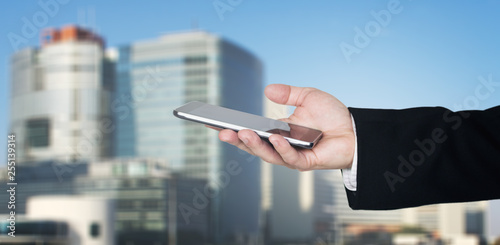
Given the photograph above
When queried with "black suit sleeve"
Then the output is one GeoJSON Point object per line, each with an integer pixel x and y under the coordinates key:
{"type": "Point", "coordinates": [422, 156]}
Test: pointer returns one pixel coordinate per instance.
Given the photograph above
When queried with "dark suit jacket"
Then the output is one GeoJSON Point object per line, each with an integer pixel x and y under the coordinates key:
{"type": "Point", "coordinates": [422, 156]}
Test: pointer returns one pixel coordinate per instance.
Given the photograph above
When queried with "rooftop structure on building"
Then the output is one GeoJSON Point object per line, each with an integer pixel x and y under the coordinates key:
{"type": "Point", "coordinates": [69, 33]}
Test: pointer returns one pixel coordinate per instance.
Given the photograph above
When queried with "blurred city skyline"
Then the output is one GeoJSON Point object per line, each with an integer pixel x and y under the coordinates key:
{"type": "Point", "coordinates": [427, 54]}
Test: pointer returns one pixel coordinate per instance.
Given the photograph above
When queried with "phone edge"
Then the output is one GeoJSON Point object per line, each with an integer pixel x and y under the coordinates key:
{"type": "Point", "coordinates": [265, 135]}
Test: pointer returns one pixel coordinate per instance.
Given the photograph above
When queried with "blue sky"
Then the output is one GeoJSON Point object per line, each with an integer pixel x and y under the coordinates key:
{"type": "Point", "coordinates": [428, 54]}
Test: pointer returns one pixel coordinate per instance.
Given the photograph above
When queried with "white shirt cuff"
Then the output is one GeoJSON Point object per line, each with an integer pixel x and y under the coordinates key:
{"type": "Point", "coordinates": [349, 174]}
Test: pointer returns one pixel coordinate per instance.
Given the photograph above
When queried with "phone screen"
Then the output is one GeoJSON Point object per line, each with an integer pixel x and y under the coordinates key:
{"type": "Point", "coordinates": [237, 120]}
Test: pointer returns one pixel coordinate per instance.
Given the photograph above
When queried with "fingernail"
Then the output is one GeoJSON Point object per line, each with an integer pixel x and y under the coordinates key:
{"type": "Point", "coordinates": [274, 142]}
{"type": "Point", "coordinates": [245, 140]}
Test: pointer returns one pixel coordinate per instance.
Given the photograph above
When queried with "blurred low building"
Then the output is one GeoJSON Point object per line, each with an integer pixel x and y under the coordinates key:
{"type": "Point", "coordinates": [451, 220]}
{"type": "Point", "coordinates": [63, 220]}
{"type": "Point", "coordinates": [47, 232]}
{"type": "Point", "coordinates": [42, 178]}
{"type": "Point", "coordinates": [152, 205]}
{"type": "Point", "coordinates": [90, 220]}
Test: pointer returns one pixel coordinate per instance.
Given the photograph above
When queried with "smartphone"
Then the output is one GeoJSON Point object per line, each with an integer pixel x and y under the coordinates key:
{"type": "Point", "coordinates": [225, 118]}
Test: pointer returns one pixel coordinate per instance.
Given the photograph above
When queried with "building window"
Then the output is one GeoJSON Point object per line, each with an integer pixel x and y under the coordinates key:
{"type": "Point", "coordinates": [118, 170]}
{"type": "Point", "coordinates": [143, 183]}
{"type": "Point", "coordinates": [195, 60]}
{"type": "Point", "coordinates": [125, 183]}
{"type": "Point", "coordinates": [125, 204]}
{"type": "Point", "coordinates": [38, 132]}
{"type": "Point", "coordinates": [151, 204]}
{"type": "Point", "coordinates": [95, 230]}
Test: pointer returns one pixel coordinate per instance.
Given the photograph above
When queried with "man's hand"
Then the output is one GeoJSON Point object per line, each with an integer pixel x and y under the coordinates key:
{"type": "Point", "coordinates": [314, 109]}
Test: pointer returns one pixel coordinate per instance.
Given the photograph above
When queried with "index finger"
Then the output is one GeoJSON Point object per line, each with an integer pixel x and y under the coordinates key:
{"type": "Point", "coordinates": [213, 127]}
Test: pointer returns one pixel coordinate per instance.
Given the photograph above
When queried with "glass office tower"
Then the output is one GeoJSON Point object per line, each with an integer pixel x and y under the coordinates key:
{"type": "Point", "coordinates": [156, 76]}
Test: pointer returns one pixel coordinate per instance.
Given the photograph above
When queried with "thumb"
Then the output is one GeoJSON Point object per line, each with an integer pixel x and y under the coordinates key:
{"type": "Point", "coordinates": [286, 94]}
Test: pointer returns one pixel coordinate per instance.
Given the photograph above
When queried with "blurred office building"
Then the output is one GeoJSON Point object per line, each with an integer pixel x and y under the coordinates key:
{"type": "Point", "coordinates": [156, 76]}
{"type": "Point", "coordinates": [297, 207]}
{"type": "Point", "coordinates": [60, 97]}
{"type": "Point", "coordinates": [275, 111]}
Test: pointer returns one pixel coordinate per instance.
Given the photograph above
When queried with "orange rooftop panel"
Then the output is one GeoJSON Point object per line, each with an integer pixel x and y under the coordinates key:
{"type": "Point", "coordinates": [68, 33]}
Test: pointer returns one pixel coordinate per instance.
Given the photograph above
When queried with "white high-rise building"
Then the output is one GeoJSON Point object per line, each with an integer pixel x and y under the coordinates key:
{"type": "Point", "coordinates": [60, 97]}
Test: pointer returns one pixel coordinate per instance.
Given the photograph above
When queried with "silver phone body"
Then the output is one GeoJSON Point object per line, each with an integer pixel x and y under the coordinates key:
{"type": "Point", "coordinates": [236, 120]}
